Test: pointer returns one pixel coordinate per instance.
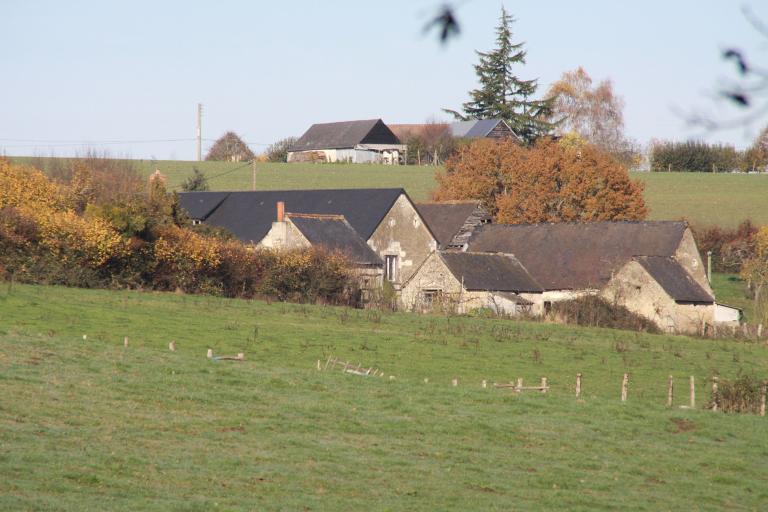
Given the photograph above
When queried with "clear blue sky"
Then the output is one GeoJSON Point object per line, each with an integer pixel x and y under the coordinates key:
{"type": "Point", "coordinates": [135, 70]}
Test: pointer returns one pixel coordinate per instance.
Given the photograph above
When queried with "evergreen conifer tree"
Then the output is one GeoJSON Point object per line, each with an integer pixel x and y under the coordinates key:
{"type": "Point", "coordinates": [502, 94]}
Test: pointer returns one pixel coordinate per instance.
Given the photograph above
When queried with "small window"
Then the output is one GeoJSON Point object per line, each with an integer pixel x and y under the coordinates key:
{"type": "Point", "coordinates": [547, 307]}
{"type": "Point", "coordinates": [430, 297]}
{"type": "Point", "coordinates": [390, 267]}
{"type": "Point", "coordinates": [196, 222]}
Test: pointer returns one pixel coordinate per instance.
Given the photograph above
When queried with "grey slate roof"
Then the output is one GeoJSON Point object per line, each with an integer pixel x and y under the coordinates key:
{"type": "Point", "coordinates": [345, 134]}
{"type": "Point", "coordinates": [447, 219]}
{"type": "Point", "coordinates": [490, 272]}
{"type": "Point", "coordinates": [572, 256]}
{"type": "Point", "coordinates": [675, 280]}
{"type": "Point", "coordinates": [473, 128]}
{"type": "Point", "coordinates": [200, 204]}
{"type": "Point", "coordinates": [334, 233]}
{"type": "Point", "coordinates": [249, 215]}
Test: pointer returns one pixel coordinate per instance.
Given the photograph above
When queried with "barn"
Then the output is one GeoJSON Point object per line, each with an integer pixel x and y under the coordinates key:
{"type": "Point", "coordinates": [366, 141]}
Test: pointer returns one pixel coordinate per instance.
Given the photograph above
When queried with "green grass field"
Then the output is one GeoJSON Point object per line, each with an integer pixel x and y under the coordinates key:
{"type": "Point", "coordinates": [86, 424]}
{"type": "Point", "coordinates": [704, 199]}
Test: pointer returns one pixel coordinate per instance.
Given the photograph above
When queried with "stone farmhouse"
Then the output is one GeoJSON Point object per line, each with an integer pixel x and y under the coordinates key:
{"type": "Point", "coordinates": [384, 220]}
{"type": "Point", "coordinates": [651, 268]}
{"type": "Point", "coordinates": [450, 256]}
{"type": "Point", "coordinates": [366, 141]}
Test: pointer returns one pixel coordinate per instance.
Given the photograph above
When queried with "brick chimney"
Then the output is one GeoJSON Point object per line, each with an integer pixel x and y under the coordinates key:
{"type": "Point", "coordinates": [280, 211]}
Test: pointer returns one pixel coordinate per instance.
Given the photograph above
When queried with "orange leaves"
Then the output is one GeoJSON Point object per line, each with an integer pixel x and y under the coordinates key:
{"type": "Point", "coordinates": [545, 183]}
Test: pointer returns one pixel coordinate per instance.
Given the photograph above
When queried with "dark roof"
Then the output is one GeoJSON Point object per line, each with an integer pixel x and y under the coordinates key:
{"type": "Point", "coordinates": [578, 255]}
{"type": "Point", "coordinates": [249, 215]}
{"type": "Point", "coordinates": [674, 279]}
{"type": "Point", "coordinates": [490, 272]}
{"type": "Point", "coordinates": [335, 234]}
{"type": "Point", "coordinates": [346, 134]}
{"type": "Point", "coordinates": [446, 219]}
{"type": "Point", "coordinates": [474, 127]}
{"type": "Point", "coordinates": [200, 204]}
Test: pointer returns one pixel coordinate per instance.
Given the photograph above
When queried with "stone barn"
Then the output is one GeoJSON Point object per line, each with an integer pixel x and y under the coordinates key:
{"type": "Point", "coordinates": [461, 282]}
{"type": "Point", "coordinates": [652, 268]}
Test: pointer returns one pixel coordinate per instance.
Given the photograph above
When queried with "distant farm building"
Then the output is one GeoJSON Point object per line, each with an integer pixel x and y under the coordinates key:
{"type": "Point", "coordinates": [482, 128]}
{"type": "Point", "coordinates": [368, 141]}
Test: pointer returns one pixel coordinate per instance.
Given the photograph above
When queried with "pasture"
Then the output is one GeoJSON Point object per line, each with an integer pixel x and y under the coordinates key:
{"type": "Point", "coordinates": [703, 199]}
{"type": "Point", "coordinates": [88, 424]}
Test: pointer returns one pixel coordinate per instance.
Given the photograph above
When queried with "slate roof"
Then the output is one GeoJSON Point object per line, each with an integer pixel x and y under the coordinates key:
{"type": "Point", "coordinates": [674, 279]}
{"type": "Point", "coordinates": [249, 215]}
{"type": "Point", "coordinates": [474, 128]}
{"type": "Point", "coordinates": [335, 234]}
{"type": "Point", "coordinates": [446, 219]}
{"type": "Point", "coordinates": [572, 256]}
{"type": "Point", "coordinates": [490, 272]}
{"type": "Point", "coordinates": [200, 204]}
{"type": "Point", "coordinates": [345, 134]}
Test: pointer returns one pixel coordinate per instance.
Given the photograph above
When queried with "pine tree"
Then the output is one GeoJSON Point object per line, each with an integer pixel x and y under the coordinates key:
{"type": "Point", "coordinates": [502, 94]}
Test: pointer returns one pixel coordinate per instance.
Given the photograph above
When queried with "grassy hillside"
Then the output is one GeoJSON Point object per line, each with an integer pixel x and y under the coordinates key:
{"type": "Point", "coordinates": [704, 199]}
{"type": "Point", "coordinates": [86, 424]}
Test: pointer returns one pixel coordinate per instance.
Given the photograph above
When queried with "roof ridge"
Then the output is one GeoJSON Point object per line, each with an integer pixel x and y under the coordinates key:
{"type": "Point", "coordinates": [319, 216]}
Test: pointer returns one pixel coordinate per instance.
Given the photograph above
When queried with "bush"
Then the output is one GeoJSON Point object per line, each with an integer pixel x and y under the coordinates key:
{"type": "Point", "coordinates": [694, 157]}
{"type": "Point", "coordinates": [730, 248]}
{"type": "Point", "coordinates": [739, 396]}
{"type": "Point", "coordinates": [594, 311]}
{"type": "Point", "coordinates": [145, 243]}
{"type": "Point", "coordinates": [195, 183]}
{"type": "Point", "coordinates": [278, 152]}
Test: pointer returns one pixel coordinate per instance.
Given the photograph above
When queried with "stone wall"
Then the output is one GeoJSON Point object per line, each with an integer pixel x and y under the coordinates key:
{"type": "Point", "coordinates": [402, 233]}
{"type": "Point", "coordinates": [634, 288]}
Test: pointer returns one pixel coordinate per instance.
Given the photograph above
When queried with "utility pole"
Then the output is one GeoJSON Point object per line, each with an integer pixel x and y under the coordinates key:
{"type": "Point", "coordinates": [253, 172]}
{"type": "Point", "coordinates": [199, 131]}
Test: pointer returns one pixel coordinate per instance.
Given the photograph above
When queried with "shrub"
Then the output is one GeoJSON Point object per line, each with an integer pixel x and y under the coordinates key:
{"type": "Point", "coordinates": [693, 157]}
{"type": "Point", "coordinates": [739, 396]}
{"type": "Point", "coordinates": [594, 311]}
{"type": "Point", "coordinates": [730, 248]}
{"type": "Point", "coordinates": [278, 151]}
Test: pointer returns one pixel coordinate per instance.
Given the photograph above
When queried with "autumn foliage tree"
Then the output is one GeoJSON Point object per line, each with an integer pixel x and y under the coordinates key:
{"type": "Point", "coordinates": [593, 111]}
{"type": "Point", "coordinates": [548, 182]}
{"type": "Point", "coordinates": [229, 147]}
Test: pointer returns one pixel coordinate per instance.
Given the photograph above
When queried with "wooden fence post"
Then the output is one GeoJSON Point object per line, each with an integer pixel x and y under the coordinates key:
{"type": "Point", "coordinates": [624, 383]}
{"type": "Point", "coordinates": [693, 392]}
{"type": "Point", "coordinates": [759, 331]}
{"type": "Point", "coordinates": [125, 341]}
{"type": "Point", "coordinates": [670, 391]}
{"type": "Point", "coordinates": [426, 380]}
{"type": "Point", "coordinates": [519, 386]}
{"type": "Point", "coordinates": [210, 353]}
{"type": "Point", "coordinates": [578, 385]}
{"type": "Point", "coordinates": [172, 346]}
{"type": "Point", "coordinates": [543, 384]}
{"type": "Point", "coordinates": [484, 383]}
{"type": "Point", "coordinates": [714, 393]}
{"type": "Point", "coordinates": [762, 397]}
{"type": "Point", "coordinates": [455, 382]}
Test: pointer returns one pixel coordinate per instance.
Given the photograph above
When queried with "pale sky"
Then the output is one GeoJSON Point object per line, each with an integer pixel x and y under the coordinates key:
{"type": "Point", "coordinates": [126, 76]}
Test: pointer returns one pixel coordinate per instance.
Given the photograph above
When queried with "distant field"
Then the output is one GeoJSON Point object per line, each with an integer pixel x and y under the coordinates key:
{"type": "Point", "coordinates": [702, 198]}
